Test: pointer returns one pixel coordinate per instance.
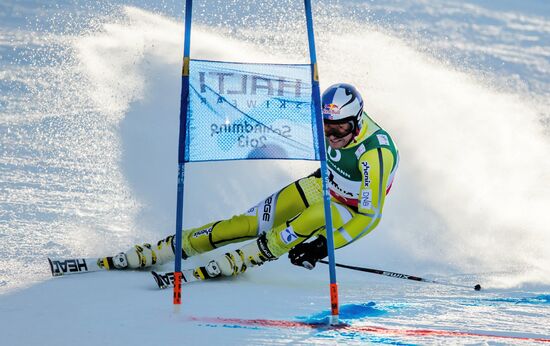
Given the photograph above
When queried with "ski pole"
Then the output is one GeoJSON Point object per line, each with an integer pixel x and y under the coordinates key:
{"type": "Point", "coordinates": [401, 276]}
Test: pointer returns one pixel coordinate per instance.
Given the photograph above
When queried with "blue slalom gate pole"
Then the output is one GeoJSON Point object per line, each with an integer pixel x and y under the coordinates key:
{"type": "Point", "coordinates": [316, 95]}
{"type": "Point", "coordinates": [181, 151]}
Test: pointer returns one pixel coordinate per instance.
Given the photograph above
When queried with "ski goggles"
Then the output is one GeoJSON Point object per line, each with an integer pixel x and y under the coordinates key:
{"type": "Point", "coordinates": [338, 130]}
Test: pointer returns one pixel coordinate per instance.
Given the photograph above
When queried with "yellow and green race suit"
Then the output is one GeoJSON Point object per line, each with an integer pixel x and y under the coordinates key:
{"type": "Point", "coordinates": [360, 177]}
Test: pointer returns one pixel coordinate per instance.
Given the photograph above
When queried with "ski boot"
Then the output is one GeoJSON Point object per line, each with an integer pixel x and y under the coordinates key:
{"type": "Point", "coordinates": [142, 256]}
{"type": "Point", "coordinates": [252, 254]}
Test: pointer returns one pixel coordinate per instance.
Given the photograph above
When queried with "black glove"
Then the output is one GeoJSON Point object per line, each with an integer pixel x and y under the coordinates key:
{"type": "Point", "coordinates": [307, 254]}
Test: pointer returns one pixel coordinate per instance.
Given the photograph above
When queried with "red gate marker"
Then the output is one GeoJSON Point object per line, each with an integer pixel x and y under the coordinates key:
{"type": "Point", "coordinates": [177, 288]}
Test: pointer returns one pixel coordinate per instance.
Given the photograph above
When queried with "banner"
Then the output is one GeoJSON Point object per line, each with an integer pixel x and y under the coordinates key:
{"type": "Point", "coordinates": [241, 111]}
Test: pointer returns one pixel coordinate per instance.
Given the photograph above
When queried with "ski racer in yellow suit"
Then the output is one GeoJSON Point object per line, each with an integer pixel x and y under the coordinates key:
{"type": "Point", "coordinates": [362, 160]}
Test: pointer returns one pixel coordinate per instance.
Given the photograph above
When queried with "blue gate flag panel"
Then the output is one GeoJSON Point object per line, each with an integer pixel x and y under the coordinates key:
{"type": "Point", "coordinates": [240, 111]}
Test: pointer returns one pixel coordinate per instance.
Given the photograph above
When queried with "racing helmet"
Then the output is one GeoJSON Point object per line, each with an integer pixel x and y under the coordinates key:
{"type": "Point", "coordinates": [341, 103]}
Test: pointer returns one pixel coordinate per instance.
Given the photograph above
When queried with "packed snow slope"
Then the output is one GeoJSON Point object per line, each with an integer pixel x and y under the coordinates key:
{"type": "Point", "coordinates": [89, 108]}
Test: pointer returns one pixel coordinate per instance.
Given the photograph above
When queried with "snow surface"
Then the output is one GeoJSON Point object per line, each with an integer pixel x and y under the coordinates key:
{"type": "Point", "coordinates": [88, 129]}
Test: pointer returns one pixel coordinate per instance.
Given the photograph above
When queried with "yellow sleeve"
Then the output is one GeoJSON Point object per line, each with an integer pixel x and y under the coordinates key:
{"type": "Point", "coordinates": [375, 166]}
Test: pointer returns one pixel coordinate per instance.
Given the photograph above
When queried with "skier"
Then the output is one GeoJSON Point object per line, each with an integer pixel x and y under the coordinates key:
{"type": "Point", "coordinates": [362, 160]}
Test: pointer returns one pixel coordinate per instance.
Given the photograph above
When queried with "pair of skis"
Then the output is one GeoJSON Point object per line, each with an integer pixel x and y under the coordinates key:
{"type": "Point", "coordinates": [87, 265]}
{"type": "Point", "coordinates": [166, 279]}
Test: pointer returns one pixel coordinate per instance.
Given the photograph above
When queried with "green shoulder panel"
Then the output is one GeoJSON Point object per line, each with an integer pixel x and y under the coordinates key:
{"type": "Point", "coordinates": [345, 161]}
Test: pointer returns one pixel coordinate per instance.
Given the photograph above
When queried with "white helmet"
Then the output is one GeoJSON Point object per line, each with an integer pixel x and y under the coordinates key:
{"type": "Point", "coordinates": [342, 103]}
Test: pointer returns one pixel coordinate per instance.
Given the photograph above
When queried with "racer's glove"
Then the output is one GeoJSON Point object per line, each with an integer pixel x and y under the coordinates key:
{"type": "Point", "coordinates": [307, 254]}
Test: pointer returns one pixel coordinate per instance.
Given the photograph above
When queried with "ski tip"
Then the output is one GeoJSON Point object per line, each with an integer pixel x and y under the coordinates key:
{"type": "Point", "coordinates": [159, 280]}
{"type": "Point", "coordinates": [66, 266]}
{"type": "Point", "coordinates": [54, 273]}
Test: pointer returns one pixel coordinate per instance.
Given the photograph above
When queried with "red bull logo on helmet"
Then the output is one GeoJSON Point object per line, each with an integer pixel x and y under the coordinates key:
{"type": "Point", "coordinates": [331, 109]}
